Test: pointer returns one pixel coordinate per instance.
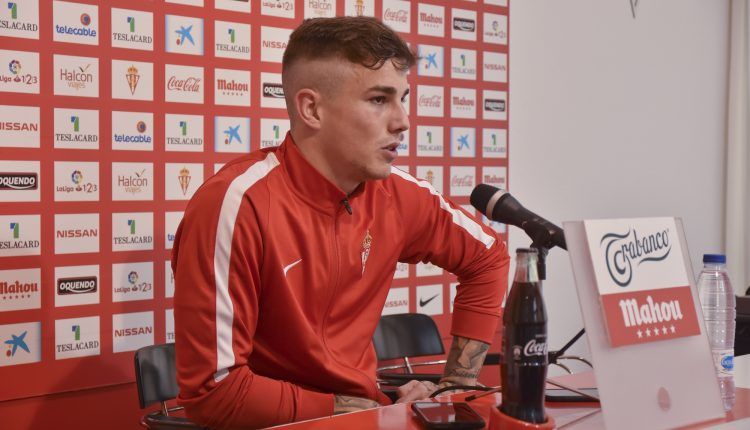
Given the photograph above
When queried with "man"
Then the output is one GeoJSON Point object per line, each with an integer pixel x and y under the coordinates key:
{"type": "Point", "coordinates": [284, 259]}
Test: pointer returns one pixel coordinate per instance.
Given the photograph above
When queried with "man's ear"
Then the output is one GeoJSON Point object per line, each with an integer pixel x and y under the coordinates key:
{"type": "Point", "coordinates": [307, 102]}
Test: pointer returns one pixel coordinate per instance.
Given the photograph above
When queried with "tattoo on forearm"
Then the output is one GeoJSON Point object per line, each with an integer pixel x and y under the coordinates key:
{"type": "Point", "coordinates": [464, 362]}
{"type": "Point", "coordinates": [343, 404]}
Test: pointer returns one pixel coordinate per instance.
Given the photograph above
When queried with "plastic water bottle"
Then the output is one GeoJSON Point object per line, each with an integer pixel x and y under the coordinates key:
{"type": "Point", "coordinates": [718, 303]}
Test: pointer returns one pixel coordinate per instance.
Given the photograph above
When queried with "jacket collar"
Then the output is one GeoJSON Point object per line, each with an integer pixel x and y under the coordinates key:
{"type": "Point", "coordinates": [309, 184]}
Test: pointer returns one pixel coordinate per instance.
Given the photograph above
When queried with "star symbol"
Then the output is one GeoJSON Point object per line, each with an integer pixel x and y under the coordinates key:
{"type": "Point", "coordinates": [663, 330]}
{"type": "Point", "coordinates": [648, 332]}
{"type": "Point", "coordinates": [656, 331]}
{"type": "Point", "coordinates": [184, 33]}
{"type": "Point", "coordinates": [431, 60]}
{"type": "Point", "coordinates": [17, 342]}
{"type": "Point", "coordinates": [233, 133]}
{"type": "Point", "coordinates": [672, 329]}
{"type": "Point", "coordinates": [640, 334]}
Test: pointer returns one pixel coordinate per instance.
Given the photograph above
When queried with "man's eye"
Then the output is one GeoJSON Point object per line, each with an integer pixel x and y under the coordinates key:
{"type": "Point", "coordinates": [378, 100]}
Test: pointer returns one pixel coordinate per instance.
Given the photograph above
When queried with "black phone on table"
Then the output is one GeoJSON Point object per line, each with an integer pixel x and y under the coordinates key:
{"type": "Point", "coordinates": [449, 415]}
{"type": "Point", "coordinates": [563, 395]}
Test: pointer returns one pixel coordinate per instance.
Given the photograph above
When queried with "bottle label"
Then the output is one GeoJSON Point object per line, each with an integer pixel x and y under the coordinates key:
{"type": "Point", "coordinates": [724, 361]}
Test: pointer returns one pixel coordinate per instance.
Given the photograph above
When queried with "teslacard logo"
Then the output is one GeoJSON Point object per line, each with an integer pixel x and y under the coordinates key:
{"type": "Point", "coordinates": [132, 231]}
{"type": "Point", "coordinates": [494, 143]}
{"type": "Point", "coordinates": [232, 40]}
{"type": "Point", "coordinates": [132, 29]}
{"type": "Point", "coordinates": [429, 141]}
{"type": "Point", "coordinates": [272, 131]}
{"type": "Point", "coordinates": [464, 64]}
{"type": "Point", "coordinates": [77, 337]}
{"type": "Point", "coordinates": [20, 19]}
{"type": "Point", "coordinates": [183, 132]}
{"type": "Point", "coordinates": [76, 128]}
{"type": "Point", "coordinates": [623, 250]}
{"type": "Point", "coordinates": [19, 235]}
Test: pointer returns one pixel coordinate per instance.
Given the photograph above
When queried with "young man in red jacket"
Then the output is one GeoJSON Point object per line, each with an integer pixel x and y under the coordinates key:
{"type": "Point", "coordinates": [284, 258]}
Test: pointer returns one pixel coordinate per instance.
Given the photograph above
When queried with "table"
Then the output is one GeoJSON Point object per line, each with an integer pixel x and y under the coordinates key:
{"type": "Point", "coordinates": [573, 416]}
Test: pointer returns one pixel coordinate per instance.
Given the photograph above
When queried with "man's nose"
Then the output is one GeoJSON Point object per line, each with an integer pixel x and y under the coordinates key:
{"type": "Point", "coordinates": [400, 121]}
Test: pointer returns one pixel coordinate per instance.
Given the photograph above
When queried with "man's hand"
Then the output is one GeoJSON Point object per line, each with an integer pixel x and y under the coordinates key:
{"type": "Point", "coordinates": [415, 390]}
{"type": "Point", "coordinates": [464, 362]}
{"type": "Point", "coordinates": [343, 404]}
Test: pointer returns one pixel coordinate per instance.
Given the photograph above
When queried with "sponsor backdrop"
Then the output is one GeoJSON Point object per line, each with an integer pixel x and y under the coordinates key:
{"type": "Point", "coordinates": [113, 113]}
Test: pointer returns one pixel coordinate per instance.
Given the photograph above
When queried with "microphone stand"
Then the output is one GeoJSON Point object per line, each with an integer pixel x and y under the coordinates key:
{"type": "Point", "coordinates": [541, 244]}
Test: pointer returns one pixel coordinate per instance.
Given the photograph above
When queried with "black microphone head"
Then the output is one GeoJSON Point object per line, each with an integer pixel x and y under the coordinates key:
{"type": "Point", "coordinates": [481, 196]}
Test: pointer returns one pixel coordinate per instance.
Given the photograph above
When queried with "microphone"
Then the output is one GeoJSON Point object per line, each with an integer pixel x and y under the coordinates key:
{"type": "Point", "coordinates": [498, 205]}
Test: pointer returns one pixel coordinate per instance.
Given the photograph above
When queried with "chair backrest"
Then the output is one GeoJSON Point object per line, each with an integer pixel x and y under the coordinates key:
{"type": "Point", "coordinates": [155, 374]}
{"type": "Point", "coordinates": [407, 335]}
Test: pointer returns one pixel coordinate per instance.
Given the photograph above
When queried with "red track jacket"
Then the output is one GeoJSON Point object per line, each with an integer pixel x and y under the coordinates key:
{"type": "Point", "coordinates": [279, 289]}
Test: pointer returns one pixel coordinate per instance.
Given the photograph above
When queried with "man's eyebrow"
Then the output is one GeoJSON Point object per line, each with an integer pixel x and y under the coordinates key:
{"type": "Point", "coordinates": [387, 90]}
{"type": "Point", "coordinates": [383, 89]}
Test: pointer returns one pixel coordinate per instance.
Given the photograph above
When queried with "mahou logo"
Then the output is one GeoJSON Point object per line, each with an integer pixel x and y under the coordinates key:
{"type": "Point", "coordinates": [624, 252]}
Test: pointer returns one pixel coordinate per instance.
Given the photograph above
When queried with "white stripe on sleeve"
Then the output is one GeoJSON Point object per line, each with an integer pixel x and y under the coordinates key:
{"type": "Point", "coordinates": [459, 218]}
{"type": "Point", "coordinates": [230, 206]}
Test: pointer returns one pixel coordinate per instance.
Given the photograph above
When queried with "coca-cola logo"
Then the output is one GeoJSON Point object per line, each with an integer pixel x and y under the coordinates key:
{"type": "Point", "coordinates": [462, 181]}
{"type": "Point", "coordinates": [622, 250]}
{"type": "Point", "coordinates": [191, 84]}
{"type": "Point", "coordinates": [400, 15]}
{"type": "Point", "coordinates": [533, 348]}
{"type": "Point", "coordinates": [430, 101]}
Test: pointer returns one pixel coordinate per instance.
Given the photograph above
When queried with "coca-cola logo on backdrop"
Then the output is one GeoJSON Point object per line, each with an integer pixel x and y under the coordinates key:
{"type": "Point", "coordinates": [191, 84]}
{"type": "Point", "coordinates": [622, 250]}
{"type": "Point", "coordinates": [430, 101]}
{"type": "Point", "coordinates": [399, 15]}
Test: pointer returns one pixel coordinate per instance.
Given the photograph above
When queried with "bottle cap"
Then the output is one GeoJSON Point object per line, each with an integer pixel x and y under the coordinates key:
{"type": "Point", "coordinates": [714, 258]}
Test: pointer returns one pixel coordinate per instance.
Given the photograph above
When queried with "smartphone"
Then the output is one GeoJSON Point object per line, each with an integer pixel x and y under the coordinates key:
{"type": "Point", "coordinates": [449, 415]}
{"type": "Point", "coordinates": [562, 395]}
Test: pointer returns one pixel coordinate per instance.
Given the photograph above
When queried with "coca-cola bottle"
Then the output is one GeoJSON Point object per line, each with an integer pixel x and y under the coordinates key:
{"type": "Point", "coordinates": [524, 366]}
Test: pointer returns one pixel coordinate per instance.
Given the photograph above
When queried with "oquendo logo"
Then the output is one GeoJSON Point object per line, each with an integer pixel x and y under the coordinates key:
{"type": "Point", "coordinates": [622, 251]}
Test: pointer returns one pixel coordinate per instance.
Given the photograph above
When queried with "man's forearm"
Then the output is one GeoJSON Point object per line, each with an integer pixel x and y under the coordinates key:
{"type": "Point", "coordinates": [464, 362]}
{"type": "Point", "coordinates": [343, 404]}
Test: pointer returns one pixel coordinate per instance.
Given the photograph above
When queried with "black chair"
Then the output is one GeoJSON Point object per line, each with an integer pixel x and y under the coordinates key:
{"type": "Point", "coordinates": [742, 331]}
{"type": "Point", "coordinates": [406, 336]}
{"type": "Point", "coordinates": [156, 379]}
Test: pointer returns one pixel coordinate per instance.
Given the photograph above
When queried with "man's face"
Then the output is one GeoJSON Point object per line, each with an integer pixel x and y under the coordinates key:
{"type": "Point", "coordinates": [362, 121]}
